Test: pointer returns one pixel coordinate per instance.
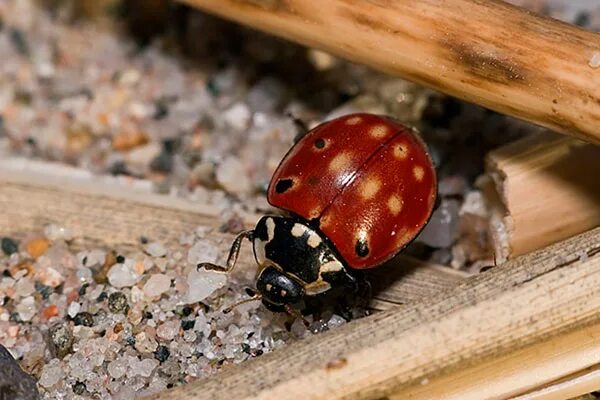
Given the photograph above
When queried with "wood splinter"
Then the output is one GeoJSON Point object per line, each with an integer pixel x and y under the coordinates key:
{"type": "Point", "coordinates": [543, 189]}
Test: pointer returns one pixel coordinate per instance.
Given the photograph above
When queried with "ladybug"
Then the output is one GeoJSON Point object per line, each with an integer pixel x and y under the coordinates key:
{"type": "Point", "coordinates": [357, 190]}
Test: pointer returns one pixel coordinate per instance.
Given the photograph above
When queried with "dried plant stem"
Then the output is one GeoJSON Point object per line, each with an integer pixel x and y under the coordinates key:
{"type": "Point", "coordinates": [486, 52]}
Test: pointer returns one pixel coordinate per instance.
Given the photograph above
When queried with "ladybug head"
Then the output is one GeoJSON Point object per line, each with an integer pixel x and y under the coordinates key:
{"type": "Point", "coordinates": [278, 289]}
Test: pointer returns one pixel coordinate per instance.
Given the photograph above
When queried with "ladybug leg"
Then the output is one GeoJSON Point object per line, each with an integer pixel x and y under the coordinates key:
{"type": "Point", "coordinates": [296, 314]}
{"type": "Point", "coordinates": [233, 254]}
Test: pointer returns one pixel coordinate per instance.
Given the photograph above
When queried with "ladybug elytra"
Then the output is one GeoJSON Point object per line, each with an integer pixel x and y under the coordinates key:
{"type": "Point", "coordinates": [358, 189]}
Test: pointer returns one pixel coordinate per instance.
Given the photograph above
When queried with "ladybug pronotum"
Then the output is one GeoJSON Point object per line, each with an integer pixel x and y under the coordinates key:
{"type": "Point", "coordinates": [357, 190]}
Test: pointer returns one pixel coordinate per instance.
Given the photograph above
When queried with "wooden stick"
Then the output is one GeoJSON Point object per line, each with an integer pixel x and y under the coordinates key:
{"type": "Point", "coordinates": [519, 372]}
{"type": "Point", "coordinates": [548, 191]}
{"type": "Point", "coordinates": [486, 52]}
{"type": "Point", "coordinates": [545, 296]}
{"type": "Point", "coordinates": [574, 385]}
{"type": "Point", "coordinates": [109, 213]}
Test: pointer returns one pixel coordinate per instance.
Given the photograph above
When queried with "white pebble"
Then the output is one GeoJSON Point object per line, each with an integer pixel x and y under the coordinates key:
{"type": "Point", "coordinates": [202, 251]}
{"type": "Point", "coordinates": [117, 368]}
{"type": "Point", "coordinates": [157, 285]}
{"type": "Point", "coordinates": [595, 60]}
{"type": "Point", "coordinates": [26, 308]}
{"type": "Point", "coordinates": [123, 275]}
{"type": "Point", "coordinates": [73, 309]}
{"type": "Point", "coordinates": [51, 373]}
{"type": "Point", "coordinates": [143, 367]}
{"type": "Point", "coordinates": [202, 284]}
{"type": "Point", "coordinates": [56, 232]}
{"type": "Point", "coordinates": [168, 330]}
{"type": "Point", "coordinates": [232, 176]}
{"type": "Point", "coordinates": [335, 321]}
{"type": "Point", "coordinates": [238, 116]}
{"type": "Point", "coordinates": [155, 249]}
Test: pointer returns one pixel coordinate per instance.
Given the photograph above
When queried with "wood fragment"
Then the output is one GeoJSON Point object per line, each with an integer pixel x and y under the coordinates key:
{"type": "Point", "coordinates": [486, 52]}
{"type": "Point", "coordinates": [548, 190]}
{"type": "Point", "coordinates": [577, 384]}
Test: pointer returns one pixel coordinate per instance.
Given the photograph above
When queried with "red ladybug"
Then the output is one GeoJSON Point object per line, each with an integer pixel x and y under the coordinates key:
{"type": "Point", "coordinates": [358, 189]}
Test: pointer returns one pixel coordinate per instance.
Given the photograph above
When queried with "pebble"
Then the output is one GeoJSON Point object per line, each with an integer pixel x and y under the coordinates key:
{"type": "Point", "coordinates": [202, 251]}
{"type": "Point", "coordinates": [442, 229]}
{"type": "Point", "coordinates": [123, 274]}
{"type": "Point", "coordinates": [52, 373]}
{"type": "Point", "coordinates": [56, 232]}
{"type": "Point", "coordinates": [157, 285]}
{"type": "Point", "coordinates": [61, 340]}
{"type": "Point", "coordinates": [238, 116]}
{"type": "Point", "coordinates": [9, 246]}
{"type": "Point", "coordinates": [14, 382]}
{"type": "Point", "coordinates": [155, 249]}
{"type": "Point", "coordinates": [231, 175]}
{"type": "Point", "coordinates": [27, 308]}
{"type": "Point", "coordinates": [144, 343]}
{"type": "Point", "coordinates": [117, 368]}
{"type": "Point", "coordinates": [168, 330]}
{"type": "Point", "coordinates": [117, 303]}
{"type": "Point", "coordinates": [73, 309]}
{"type": "Point", "coordinates": [37, 247]}
{"type": "Point", "coordinates": [202, 283]}
{"type": "Point", "coordinates": [143, 367]}
{"type": "Point", "coordinates": [162, 353]}
{"type": "Point", "coordinates": [84, 319]}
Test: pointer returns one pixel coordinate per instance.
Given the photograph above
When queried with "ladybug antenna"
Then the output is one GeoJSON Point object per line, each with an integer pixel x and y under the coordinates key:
{"type": "Point", "coordinates": [233, 254]}
{"type": "Point", "coordinates": [255, 296]}
{"type": "Point", "coordinates": [295, 313]}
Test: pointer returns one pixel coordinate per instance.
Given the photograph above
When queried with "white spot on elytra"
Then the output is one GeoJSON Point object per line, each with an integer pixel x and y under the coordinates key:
{"type": "Point", "coordinates": [268, 286]}
{"type": "Point", "coordinates": [400, 151]}
{"type": "Point", "coordinates": [418, 172]}
{"type": "Point", "coordinates": [298, 230]}
{"type": "Point", "coordinates": [314, 240]}
{"type": "Point", "coordinates": [353, 120]}
{"type": "Point", "coordinates": [339, 162]}
{"type": "Point", "coordinates": [395, 204]}
{"type": "Point", "coordinates": [270, 229]}
{"type": "Point", "coordinates": [369, 188]}
{"type": "Point", "coordinates": [379, 131]}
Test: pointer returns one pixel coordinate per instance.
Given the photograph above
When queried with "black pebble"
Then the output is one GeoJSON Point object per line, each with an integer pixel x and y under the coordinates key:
{"type": "Point", "coordinates": [162, 353]}
{"type": "Point", "coordinates": [14, 382]}
{"type": "Point", "coordinates": [79, 388]}
{"type": "Point", "coordinates": [103, 296]}
{"type": "Point", "coordinates": [117, 303]}
{"type": "Point", "coordinates": [83, 289]}
{"type": "Point", "coordinates": [162, 163]}
{"type": "Point", "coordinates": [187, 324]}
{"type": "Point", "coordinates": [84, 318]}
{"type": "Point", "coordinates": [9, 246]}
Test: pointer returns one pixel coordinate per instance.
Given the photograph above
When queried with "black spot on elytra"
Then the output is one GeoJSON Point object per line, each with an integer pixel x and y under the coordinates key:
{"type": "Point", "coordinates": [361, 248]}
{"type": "Point", "coordinates": [283, 185]}
{"type": "Point", "coordinates": [319, 143]}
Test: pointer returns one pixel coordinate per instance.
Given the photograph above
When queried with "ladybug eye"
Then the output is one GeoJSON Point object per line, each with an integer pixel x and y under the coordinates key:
{"type": "Point", "coordinates": [283, 185]}
{"type": "Point", "coordinates": [320, 143]}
